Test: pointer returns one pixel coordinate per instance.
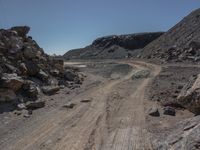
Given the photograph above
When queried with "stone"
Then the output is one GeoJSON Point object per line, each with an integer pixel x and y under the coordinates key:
{"type": "Point", "coordinates": [141, 74]}
{"type": "Point", "coordinates": [11, 68]}
{"type": "Point", "coordinates": [42, 75]}
{"type": "Point", "coordinates": [21, 106]}
{"type": "Point", "coordinates": [69, 75]}
{"type": "Point", "coordinates": [21, 30]}
{"type": "Point", "coordinates": [154, 112]}
{"type": "Point", "coordinates": [32, 68]}
{"type": "Point", "coordinates": [7, 95]}
{"type": "Point", "coordinates": [189, 96]}
{"type": "Point", "coordinates": [184, 135]}
{"type": "Point", "coordinates": [169, 111]}
{"type": "Point", "coordinates": [29, 53]}
{"type": "Point", "coordinates": [11, 81]}
{"type": "Point", "coordinates": [86, 100]}
{"type": "Point", "coordinates": [50, 90]}
{"type": "Point", "coordinates": [30, 88]}
{"type": "Point", "coordinates": [35, 105]}
{"type": "Point", "coordinates": [70, 105]}
{"type": "Point", "coordinates": [55, 72]}
{"type": "Point", "coordinates": [23, 68]}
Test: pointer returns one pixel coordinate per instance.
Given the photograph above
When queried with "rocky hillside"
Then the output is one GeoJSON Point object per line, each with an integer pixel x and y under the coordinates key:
{"type": "Point", "coordinates": [113, 46]}
{"type": "Point", "coordinates": [180, 43]}
{"type": "Point", "coordinates": [26, 72]}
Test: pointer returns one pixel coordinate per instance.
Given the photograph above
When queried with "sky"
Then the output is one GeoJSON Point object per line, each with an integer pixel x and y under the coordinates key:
{"type": "Point", "coordinates": [61, 25]}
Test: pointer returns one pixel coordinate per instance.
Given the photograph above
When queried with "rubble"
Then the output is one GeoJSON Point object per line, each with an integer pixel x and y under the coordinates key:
{"type": "Point", "coordinates": [25, 69]}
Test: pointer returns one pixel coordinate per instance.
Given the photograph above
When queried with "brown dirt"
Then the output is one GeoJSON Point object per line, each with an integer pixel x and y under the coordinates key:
{"type": "Point", "coordinates": [114, 117]}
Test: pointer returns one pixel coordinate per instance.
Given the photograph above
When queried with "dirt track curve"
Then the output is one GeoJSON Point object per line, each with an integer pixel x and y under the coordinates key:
{"type": "Point", "coordinates": [114, 119]}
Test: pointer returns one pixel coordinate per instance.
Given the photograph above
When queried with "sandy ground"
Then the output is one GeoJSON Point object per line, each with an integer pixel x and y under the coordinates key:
{"type": "Point", "coordinates": [110, 113]}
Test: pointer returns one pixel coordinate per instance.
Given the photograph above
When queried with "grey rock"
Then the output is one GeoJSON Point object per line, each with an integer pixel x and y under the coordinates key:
{"type": "Point", "coordinates": [21, 30]}
{"type": "Point", "coordinates": [154, 112]}
{"type": "Point", "coordinates": [11, 81]}
{"type": "Point", "coordinates": [189, 96]}
{"type": "Point", "coordinates": [35, 105]}
{"type": "Point", "coordinates": [185, 135]}
{"type": "Point", "coordinates": [169, 111]}
{"type": "Point", "coordinates": [70, 105]}
{"type": "Point", "coordinates": [42, 75]}
{"type": "Point", "coordinates": [31, 89]}
{"type": "Point", "coordinates": [70, 75]}
{"type": "Point", "coordinates": [50, 90]}
{"type": "Point", "coordinates": [141, 74]}
{"type": "Point", "coordinates": [21, 106]}
{"type": "Point", "coordinates": [32, 68]}
{"type": "Point", "coordinates": [7, 95]}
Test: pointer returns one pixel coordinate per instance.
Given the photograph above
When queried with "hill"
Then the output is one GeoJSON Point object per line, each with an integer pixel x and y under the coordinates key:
{"type": "Point", "coordinates": [115, 46]}
{"type": "Point", "coordinates": [180, 43]}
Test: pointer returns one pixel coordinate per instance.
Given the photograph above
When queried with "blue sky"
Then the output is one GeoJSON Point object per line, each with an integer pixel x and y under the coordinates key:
{"type": "Point", "coordinates": [61, 25]}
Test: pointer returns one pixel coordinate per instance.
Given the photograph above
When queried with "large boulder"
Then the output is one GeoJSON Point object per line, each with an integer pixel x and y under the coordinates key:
{"type": "Point", "coordinates": [31, 89]}
{"type": "Point", "coordinates": [11, 81]}
{"type": "Point", "coordinates": [32, 68]}
{"type": "Point", "coordinates": [7, 95]}
{"type": "Point", "coordinates": [50, 90]}
{"type": "Point", "coordinates": [185, 135]}
{"type": "Point", "coordinates": [29, 52]}
{"type": "Point", "coordinates": [21, 30]}
{"type": "Point", "coordinates": [189, 96]}
{"type": "Point", "coordinates": [43, 75]}
{"type": "Point", "coordinates": [35, 105]}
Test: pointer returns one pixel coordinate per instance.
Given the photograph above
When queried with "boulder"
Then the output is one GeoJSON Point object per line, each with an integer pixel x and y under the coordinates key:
{"type": "Point", "coordinates": [69, 105]}
{"type": "Point", "coordinates": [21, 106]}
{"type": "Point", "coordinates": [70, 75]}
{"type": "Point", "coordinates": [184, 135]}
{"type": "Point", "coordinates": [154, 112]}
{"type": "Point", "coordinates": [35, 105]}
{"type": "Point", "coordinates": [55, 72]}
{"type": "Point", "coordinates": [11, 81]}
{"type": "Point", "coordinates": [30, 88]}
{"type": "Point", "coordinates": [23, 68]}
{"type": "Point", "coordinates": [32, 68]}
{"type": "Point", "coordinates": [11, 68]}
{"type": "Point", "coordinates": [141, 74]}
{"type": "Point", "coordinates": [42, 75]}
{"type": "Point", "coordinates": [21, 30]}
{"type": "Point", "coordinates": [50, 90]}
{"type": "Point", "coordinates": [7, 95]}
{"type": "Point", "coordinates": [169, 111]}
{"type": "Point", "coordinates": [29, 53]}
{"type": "Point", "coordinates": [189, 96]}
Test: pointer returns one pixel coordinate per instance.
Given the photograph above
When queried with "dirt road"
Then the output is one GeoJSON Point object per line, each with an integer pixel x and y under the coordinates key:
{"type": "Point", "coordinates": [111, 116]}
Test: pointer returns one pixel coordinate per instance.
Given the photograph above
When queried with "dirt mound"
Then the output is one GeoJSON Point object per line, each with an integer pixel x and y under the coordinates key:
{"type": "Point", "coordinates": [25, 69]}
{"type": "Point", "coordinates": [180, 43]}
{"type": "Point", "coordinates": [116, 46]}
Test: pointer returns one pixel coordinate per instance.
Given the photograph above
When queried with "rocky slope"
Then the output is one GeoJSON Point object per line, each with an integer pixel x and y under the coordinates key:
{"type": "Point", "coordinates": [26, 72]}
{"type": "Point", "coordinates": [180, 43]}
{"type": "Point", "coordinates": [113, 46]}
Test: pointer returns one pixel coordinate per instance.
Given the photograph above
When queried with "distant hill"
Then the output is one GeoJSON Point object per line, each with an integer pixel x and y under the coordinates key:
{"type": "Point", "coordinates": [180, 43]}
{"type": "Point", "coordinates": [115, 46]}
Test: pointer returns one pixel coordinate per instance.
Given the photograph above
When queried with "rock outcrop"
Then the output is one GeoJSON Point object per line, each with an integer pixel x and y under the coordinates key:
{"type": "Point", "coordinates": [116, 46]}
{"type": "Point", "coordinates": [189, 96]}
{"type": "Point", "coordinates": [184, 135]}
{"type": "Point", "coordinates": [25, 69]}
{"type": "Point", "coordinates": [180, 43]}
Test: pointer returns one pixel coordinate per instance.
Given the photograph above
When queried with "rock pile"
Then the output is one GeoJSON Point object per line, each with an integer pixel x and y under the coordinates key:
{"type": "Point", "coordinates": [180, 43]}
{"type": "Point", "coordinates": [25, 69]}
